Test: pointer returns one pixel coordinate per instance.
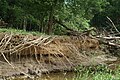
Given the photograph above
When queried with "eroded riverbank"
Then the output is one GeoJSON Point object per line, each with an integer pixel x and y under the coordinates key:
{"type": "Point", "coordinates": [36, 55]}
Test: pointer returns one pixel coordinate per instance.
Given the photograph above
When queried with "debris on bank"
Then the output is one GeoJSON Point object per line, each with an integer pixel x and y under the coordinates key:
{"type": "Point", "coordinates": [34, 55]}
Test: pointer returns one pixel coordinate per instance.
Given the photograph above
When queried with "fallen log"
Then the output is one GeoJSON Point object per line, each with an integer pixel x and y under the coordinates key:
{"type": "Point", "coordinates": [107, 42]}
{"type": "Point", "coordinates": [108, 38]}
{"type": "Point", "coordinates": [73, 32]}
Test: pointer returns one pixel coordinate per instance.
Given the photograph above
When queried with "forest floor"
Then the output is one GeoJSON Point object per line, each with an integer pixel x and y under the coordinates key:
{"type": "Point", "coordinates": [30, 54]}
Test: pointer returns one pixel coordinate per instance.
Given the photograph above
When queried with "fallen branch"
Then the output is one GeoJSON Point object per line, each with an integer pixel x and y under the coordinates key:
{"type": "Point", "coordinates": [113, 24]}
{"type": "Point", "coordinates": [108, 43]}
{"type": "Point", "coordinates": [108, 38]}
{"type": "Point", "coordinates": [73, 32]}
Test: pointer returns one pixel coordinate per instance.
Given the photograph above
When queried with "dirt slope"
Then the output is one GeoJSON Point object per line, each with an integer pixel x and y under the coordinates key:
{"type": "Point", "coordinates": [33, 55]}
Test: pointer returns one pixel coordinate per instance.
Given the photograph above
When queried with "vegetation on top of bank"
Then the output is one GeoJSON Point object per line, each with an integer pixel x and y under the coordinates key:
{"type": "Point", "coordinates": [18, 31]}
{"type": "Point", "coordinates": [48, 16]}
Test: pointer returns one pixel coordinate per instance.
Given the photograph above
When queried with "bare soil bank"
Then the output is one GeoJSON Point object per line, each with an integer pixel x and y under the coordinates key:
{"type": "Point", "coordinates": [34, 55]}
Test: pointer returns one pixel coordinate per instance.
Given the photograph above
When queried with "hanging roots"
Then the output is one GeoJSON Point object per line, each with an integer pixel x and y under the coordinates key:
{"type": "Point", "coordinates": [57, 49]}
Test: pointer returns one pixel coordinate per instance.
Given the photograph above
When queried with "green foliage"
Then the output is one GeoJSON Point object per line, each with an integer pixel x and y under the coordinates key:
{"type": "Point", "coordinates": [3, 8]}
{"type": "Point", "coordinates": [100, 72]}
{"type": "Point", "coordinates": [75, 14]}
{"type": "Point", "coordinates": [18, 31]}
{"type": "Point", "coordinates": [111, 10]}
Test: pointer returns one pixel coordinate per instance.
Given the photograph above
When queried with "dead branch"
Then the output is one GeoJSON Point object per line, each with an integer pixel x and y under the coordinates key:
{"type": "Point", "coordinates": [108, 38]}
{"type": "Point", "coordinates": [113, 24]}
{"type": "Point", "coordinates": [73, 32]}
{"type": "Point", "coordinates": [108, 43]}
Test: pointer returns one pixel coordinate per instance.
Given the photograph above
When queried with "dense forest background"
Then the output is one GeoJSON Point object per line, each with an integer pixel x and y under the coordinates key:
{"type": "Point", "coordinates": [48, 16]}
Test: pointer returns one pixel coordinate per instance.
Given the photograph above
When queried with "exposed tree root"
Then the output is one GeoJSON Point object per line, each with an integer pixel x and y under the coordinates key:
{"type": "Point", "coordinates": [49, 52]}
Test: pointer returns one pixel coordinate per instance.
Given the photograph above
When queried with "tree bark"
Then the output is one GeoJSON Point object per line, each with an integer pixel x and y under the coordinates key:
{"type": "Point", "coordinates": [24, 24]}
{"type": "Point", "coordinates": [50, 22]}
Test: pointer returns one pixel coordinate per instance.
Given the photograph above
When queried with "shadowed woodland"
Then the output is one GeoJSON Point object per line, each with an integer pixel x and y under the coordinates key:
{"type": "Point", "coordinates": [51, 16]}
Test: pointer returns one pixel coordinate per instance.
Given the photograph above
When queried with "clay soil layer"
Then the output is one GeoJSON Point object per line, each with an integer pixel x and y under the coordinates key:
{"type": "Point", "coordinates": [34, 55]}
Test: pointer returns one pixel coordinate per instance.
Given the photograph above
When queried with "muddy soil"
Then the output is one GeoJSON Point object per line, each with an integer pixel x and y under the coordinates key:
{"type": "Point", "coordinates": [36, 55]}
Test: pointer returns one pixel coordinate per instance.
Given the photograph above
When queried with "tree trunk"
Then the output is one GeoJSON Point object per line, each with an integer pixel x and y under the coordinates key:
{"type": "Point", "coordinates": [24, 24]}
{"type": "Point", "coordinates": [50, 22]}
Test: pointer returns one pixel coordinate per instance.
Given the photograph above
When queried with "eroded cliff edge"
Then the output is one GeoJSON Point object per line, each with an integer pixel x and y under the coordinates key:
{"type": "Point", "coordinates": [34, 55]}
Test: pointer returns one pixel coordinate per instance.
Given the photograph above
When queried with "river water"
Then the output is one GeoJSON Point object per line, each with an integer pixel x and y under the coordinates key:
{"type": "Point", "coordinates": [51, 76]}
{"type": "Point", "coordinates": [58, 76]}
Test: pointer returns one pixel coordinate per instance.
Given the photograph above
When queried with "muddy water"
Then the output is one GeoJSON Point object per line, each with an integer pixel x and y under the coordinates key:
{"type": "Point", "coordinates": [58, 76]}
{"type": "Point", "coordinates": [51, 76]}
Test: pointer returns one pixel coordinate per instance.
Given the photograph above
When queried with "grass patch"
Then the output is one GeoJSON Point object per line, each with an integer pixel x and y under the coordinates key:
{"type": "Point", "coordinates": [17, 31]}
{"type": "Point", "coordinates": [100, 72]}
